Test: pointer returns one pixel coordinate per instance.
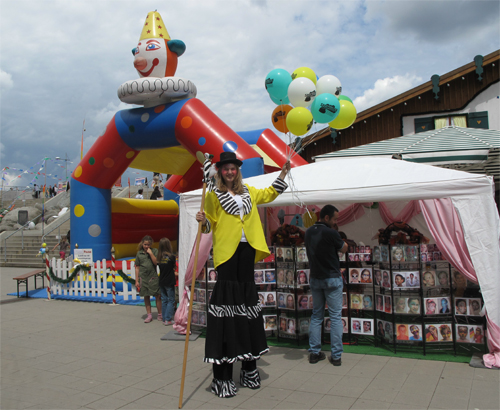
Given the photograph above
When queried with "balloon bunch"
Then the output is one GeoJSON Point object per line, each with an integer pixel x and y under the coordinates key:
{"type": "Point", "coordinates": [303, 99]}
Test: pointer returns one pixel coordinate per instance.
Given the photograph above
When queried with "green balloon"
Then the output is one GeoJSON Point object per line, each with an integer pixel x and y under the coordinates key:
{"type": "Point", "coordinates": [345, 98]}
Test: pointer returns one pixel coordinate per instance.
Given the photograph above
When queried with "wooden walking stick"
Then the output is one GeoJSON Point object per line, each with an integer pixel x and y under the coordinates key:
{"type": "Point", "coordinates": [193, 279]}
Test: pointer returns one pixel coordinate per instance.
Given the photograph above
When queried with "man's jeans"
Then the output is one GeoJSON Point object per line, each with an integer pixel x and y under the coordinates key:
{"type": "Point", "coordinates": [167, 302]}
{"type": "Point", "coordinates": [329, 291]}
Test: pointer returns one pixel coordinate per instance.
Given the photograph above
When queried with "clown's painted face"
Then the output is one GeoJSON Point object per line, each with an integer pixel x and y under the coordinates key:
{"type": "Point", "coordinates": [154, 59]}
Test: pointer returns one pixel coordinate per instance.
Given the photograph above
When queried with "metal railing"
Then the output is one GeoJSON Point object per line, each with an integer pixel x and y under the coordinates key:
{"type": "Point", "coordinates": [22, 235]}
{"type": "Point", "coordinates": [57, 224]}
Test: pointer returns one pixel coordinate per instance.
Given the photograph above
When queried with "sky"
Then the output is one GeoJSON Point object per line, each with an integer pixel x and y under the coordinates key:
{"type": "Point", "coordinates": [61, 62]}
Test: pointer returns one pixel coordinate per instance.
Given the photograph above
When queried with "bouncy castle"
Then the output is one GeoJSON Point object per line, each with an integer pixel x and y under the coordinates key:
{"type": "Point", "coordinates": [169, 134]}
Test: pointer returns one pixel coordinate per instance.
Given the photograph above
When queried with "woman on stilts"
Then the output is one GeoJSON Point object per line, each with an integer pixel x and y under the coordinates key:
{"type": "Point", "coordinates": [235, 329]}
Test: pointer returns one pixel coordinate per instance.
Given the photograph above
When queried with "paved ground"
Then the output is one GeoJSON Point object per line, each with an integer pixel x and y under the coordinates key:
{"type": "Point", "coordinates": [77, 355]}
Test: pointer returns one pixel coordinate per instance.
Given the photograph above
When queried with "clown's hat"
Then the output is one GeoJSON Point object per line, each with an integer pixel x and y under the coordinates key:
{"type": "Point", "coordinates": [154, 27]}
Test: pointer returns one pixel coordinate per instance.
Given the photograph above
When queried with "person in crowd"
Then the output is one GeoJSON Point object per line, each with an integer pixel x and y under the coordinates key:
{"type": "Point", "coordinates": [156, 194]}
{"type": "Point", "coordinates": [139, 194]}
{"type": "Point", "coordinates": [239, 242]}
{"type": "Point", "coordinates": [323, 244]}
{"type": "Point", "coordinates": [63, 247]}
{"type": "Point", "coordinates": [166, 262]}
{"type": "Point", "coordinates": [146, 278]}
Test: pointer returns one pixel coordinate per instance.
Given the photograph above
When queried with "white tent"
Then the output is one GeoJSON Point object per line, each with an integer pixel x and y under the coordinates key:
{"type": "Point", "coordinates": [351, 180]}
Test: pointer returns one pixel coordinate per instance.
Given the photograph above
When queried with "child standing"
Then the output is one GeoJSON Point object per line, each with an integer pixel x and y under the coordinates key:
{"type": "Point", "coordinates": [146, 278]}
{"type": "Point", "coordinates": [63, 247]}
{"type": "Point", "coordinates": [167, 279]}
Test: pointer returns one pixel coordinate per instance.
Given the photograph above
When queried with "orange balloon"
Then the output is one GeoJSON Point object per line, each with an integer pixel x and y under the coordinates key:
{"type": "Point", "coordinates": [279, 117]}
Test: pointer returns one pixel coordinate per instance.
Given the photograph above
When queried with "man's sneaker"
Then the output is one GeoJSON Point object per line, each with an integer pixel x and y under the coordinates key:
{"type": "Point", "coordinates": [335, 362]}
{"type": "Point", "coordinates": [316, 357]}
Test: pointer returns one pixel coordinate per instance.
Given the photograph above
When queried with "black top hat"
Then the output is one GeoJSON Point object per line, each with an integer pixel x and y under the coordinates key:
{"type": "Point", "coordinates": [228, 158]}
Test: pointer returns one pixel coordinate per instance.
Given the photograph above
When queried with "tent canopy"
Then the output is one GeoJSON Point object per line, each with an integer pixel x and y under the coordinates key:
{"type": "Point", "coordinates": [354, 180]}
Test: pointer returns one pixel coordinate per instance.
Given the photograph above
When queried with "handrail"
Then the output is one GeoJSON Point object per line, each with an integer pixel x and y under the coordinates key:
{"type": "Point", "coordinates": [22, 236]}
{"type": "Point", "coordinates": [62, 219]}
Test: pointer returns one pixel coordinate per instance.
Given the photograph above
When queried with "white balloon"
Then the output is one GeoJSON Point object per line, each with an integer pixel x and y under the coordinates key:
{"type": "Point", "coordinates": [301, 92]}
{"type": "Point", "coordinates": [329, 84]}
{"type": "Point", "coordinates": [31, 225]}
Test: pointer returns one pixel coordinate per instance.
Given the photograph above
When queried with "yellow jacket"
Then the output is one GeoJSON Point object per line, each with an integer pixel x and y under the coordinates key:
{"type": "Point", "coordinates": [227, 227]}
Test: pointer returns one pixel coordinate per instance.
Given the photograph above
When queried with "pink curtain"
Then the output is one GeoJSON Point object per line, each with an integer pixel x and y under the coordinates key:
{"type": "Point", "coordinates": [444, 224]}
{"type": "Point", "coordinates": [409, 211]}
{"type": "Point", "coordinates": [181, 315]}
{"type": "Point", "coordinates": [352, 213]}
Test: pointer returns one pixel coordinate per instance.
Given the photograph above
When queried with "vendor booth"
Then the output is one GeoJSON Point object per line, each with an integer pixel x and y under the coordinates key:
{"type": "Point", "coordinates": [457, 209]}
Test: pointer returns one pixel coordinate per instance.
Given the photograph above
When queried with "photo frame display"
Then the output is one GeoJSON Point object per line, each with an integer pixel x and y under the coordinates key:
{"type": "Point", "coordinates": [379, 303]}
{"type": "Point", "coordinates": [258, 276]}
{"type": "Point", "coordinates": [366, 276]}
{"type": "Point", "coordinates": [408, 332]}
{"type": "Point", "coordinates": [411, 253]}
{"type": "Point", "coordinates": [286, 301]}
{"type": "Point", "coordinates": [440, 332]}
{"type": "Point", "coordinates": [406, 279]}
{"type": "Point", "coordinates": [469, 333]}
{"type": "Point", "coordinates": [354, 277]}
{"type": "Point", "coordinates": [269, 276]}
{"type": "Point", "coordinates": [385, 330]}
{"type": "Point", "coordinates": [398, 254]}
{"type": "Point", "coordinates": [356, 300]}
{"type": "Point", "coordinates": [284, 254]}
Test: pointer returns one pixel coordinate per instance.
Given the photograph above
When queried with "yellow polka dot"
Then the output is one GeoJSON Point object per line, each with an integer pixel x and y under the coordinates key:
{"type": "Point", "coordinates": [130, 154]}
{"type": "Point", "coordinates": [79, 210]}
{"type": "Point", "coordinates": [108, 162]}
{"type": "Point", "coordinates": [186, 122]}
{"type": "Point", "coordinates": [78, 171]}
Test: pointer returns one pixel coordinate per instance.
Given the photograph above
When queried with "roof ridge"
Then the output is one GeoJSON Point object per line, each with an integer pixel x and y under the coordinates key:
{"type": "Point", "coordinates": [462, 130]}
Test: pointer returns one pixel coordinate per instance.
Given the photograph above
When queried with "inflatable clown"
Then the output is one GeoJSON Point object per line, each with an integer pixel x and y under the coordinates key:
{"type": "Point", "coordinates": [169, 134]}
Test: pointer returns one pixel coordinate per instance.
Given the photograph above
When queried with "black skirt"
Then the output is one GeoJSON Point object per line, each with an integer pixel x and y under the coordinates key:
{"type": "Point", "coordinates": [235, 328]}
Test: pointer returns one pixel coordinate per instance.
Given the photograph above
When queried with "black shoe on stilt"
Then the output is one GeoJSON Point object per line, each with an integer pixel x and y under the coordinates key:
{"type": "Point", "coordinates": [224, 388]}
{"type": "Point", "coordinates": [250, 379]}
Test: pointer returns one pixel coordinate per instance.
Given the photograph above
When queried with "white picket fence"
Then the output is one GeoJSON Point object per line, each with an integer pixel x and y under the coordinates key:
{"type": "Point", "coordinates": [93, 283]}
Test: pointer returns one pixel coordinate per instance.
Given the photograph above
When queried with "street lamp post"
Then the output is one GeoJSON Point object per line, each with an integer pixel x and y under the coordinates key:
{"type": "Point", "coordinates": [66, 166]}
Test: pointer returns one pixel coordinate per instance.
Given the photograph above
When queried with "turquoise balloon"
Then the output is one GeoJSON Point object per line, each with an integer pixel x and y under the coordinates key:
{"type": "Point", "coordinates": [284, 101]}
{"type": "Point", "coordinates": [325, 108]}
{"type": "Point", "coordinates": [277, 82]}
{"type": "Point", "coordinates": [345, 98]}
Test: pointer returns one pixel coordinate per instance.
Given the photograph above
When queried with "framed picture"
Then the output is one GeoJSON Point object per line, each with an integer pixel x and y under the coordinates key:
{"type": "Point", "coordinates": [412, 279]}
{"type": "Point", "coordinates": [302, 277]}
{"type": "Point", "coordinates": [258, 276]}
{"type": "Point", "coordinates": [356, 325]}
{"type": "Point", "coordinates": [301, 254]}
{"type": "Point", "coordinates": [270, 299]}
{"type": "Point", "coordinates": [367, 302]}
{"type": "Point", "coordinates": [345, 328]}
{"type": "Point", "coordinates": [270, 322]}
{"type": "Point", "coordinates": [430, 306]}
{"type": "Point", "coordinates": [474, 306]}
{"type": "Point", "coordinates": [442, 279]}
{"type": "Point", "coordinates": [461, 307]}
{"type": "Point", "coordinates": [402, 332]}
{"type": "Point", "coordinates": [386, 282]}
{"type": "Point", "coordinates": [202, 318]}
{"type": "Point", "coordinates": [212, 275]}
{"type": "Point", "coordinates": [291, 327]}
{"type": "Point", "coordinates": [415, 332]}
{"type": "Point", "coordinates": [344, 300]}
{"type": "Point", "coordinates": [303, 302]}
{"type": "Point", "coordinates": [366, 276]}
{"type": "Point", "coordinates": [428, 279]}
{"type": "Point", "coordinates": [367, 327]}
{"type": "Point", "coordinates": [281, 280]}
{"type": "Point", "coordinates": [377, 277]}
{"type": "Point", "coordinates": [399, 280]}
{"type": "Point", "coordinates": [411, 253]}
{"type": "Point", "coordinates": [269, 276]}
{"type": "Point", "coordinates": [398, 254]}
{"type": "Point", "coordinates": [387, 304]}
{"type": "Point", "coordinates": [304, 325]}
{"type": "Point", "coordinates": [414, 305]}
{"type": "Point", "coordinates": [262, 298]}
{"type": "Point", "coordinates": [354, 275]}
{"type": "Point", "coordinates": [379, 303]}
{"type": "Point", "coordinates": [400, 305]}
{"type": "Point", "coordinates": [356, 301]}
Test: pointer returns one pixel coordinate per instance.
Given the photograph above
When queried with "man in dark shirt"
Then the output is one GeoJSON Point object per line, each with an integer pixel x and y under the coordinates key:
{"type": "Point", "coordinates": [322, 244]}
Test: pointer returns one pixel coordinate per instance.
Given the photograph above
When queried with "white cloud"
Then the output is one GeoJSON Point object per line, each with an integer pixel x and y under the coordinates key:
{"type": "Point", "coordinates": [385, 89]}
{"type": "Point", "coordinates": [6, 82]}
